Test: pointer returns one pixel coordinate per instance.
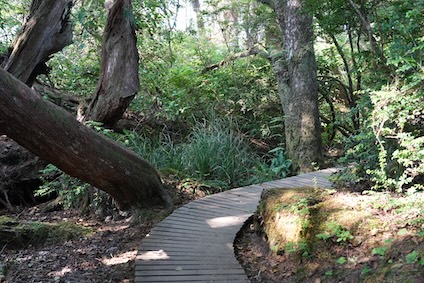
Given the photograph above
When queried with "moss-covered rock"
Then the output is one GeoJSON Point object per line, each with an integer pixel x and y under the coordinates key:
{"type": "Point", "coordinates": [16, 234]}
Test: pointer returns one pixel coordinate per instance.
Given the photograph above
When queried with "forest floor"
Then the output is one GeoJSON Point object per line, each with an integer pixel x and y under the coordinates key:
{"type": "Point", "coordinates": [385, 245]}
{"type": "Point", "coordinates": [106, 255]}
{"type": "Point", "coordinates": [108, 252]}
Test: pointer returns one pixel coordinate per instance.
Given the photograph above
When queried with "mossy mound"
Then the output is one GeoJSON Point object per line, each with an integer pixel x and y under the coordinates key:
{"type": "Point", "coordinates": [371, 237]}
{"type": "Point", "coordinates": [17, 234]}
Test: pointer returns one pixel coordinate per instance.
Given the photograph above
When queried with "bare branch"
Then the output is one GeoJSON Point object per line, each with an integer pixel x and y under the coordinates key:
{"type": "Point", "coordinates": [252, 51]}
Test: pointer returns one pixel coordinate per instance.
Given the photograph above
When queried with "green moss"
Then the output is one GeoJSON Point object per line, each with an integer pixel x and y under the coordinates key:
{"type": "Point", "coordinates": [21, 233]}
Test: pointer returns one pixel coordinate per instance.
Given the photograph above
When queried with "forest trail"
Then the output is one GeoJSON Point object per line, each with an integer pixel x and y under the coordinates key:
{"type": "Point", "coordinates": [195, 242]}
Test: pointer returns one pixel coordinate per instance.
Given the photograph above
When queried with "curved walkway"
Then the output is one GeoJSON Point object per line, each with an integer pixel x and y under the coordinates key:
{"type": "Point", "coordinates": [195, 242]}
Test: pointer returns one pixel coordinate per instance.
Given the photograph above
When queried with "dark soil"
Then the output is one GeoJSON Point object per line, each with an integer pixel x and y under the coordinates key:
{"type": "Point", "coordinates": [108, 255]}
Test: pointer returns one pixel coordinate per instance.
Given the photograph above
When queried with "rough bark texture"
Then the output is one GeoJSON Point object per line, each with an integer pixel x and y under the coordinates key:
{"type": "Point", "coordinates": [54, 135]}
{"type": "Point", "coordinates": [295, 70]}
{"type": "Point", "coordinates": [119, 81]}
{"type": "Point", "coordinates": [47, 30]}
{"type": "Point", "coordinates": [199, 19]}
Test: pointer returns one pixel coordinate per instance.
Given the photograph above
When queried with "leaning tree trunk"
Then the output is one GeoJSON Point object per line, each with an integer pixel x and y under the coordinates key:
{"type": "Point", "coordinates": [53, 134]}
{"type": "Point", "coordinates": [47, 30]}
{"type": "Point", "coordinates": [295, 71]}
{"type": "Point", "coordinates": [119, 81]}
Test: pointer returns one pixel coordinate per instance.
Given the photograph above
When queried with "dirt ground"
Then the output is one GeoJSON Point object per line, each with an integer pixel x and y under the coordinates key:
{"type": "Point", "coordinates": [107, 255]}
{"type": "Point", "coordinates": [396, 255]}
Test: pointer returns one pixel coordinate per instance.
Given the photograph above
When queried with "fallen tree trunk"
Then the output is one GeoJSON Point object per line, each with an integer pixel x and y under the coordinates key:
{"type": "Point", "coordinates": [54, 135]}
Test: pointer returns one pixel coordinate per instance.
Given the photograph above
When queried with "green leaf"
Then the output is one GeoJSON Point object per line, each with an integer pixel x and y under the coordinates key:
{"type": "Point", "coordinates": [341, 260]}
{"type": "Point", "coordinates": [412, 257]}
{"type": "Point", "coordinates": [379, 251]}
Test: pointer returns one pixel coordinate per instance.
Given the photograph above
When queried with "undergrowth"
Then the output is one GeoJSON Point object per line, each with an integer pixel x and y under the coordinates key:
{"type": "Point", "coordinates": [213, 157]}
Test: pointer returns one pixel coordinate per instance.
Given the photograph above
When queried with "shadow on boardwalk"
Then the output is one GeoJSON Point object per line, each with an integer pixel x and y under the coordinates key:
{"type": "Point", "coordinates": [195, 242]}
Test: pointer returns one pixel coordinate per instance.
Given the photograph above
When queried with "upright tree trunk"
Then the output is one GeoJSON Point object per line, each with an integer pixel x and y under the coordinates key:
{"type": "Point", "coordinates": [47, 30]}
{"type": "Point", "coordinates": [119, 81]}
{"type": "Point", "coordinates": [199, 19]}
{"type": "Point", "coordinates": [295, 71]}
{"type": "Point", "coordinates": [53, 134]}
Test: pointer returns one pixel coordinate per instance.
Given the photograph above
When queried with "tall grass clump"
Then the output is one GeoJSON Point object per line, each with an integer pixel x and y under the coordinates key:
{"type": "Point", "coordinates": [213, 154]}
{"type": "Point", "coordinates": [216, 154]}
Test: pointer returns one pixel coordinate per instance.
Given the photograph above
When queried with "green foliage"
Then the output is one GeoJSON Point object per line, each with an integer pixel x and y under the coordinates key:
{"type": "Point", "coordinates": [341, 260]}
{"type": "Point", "coordinates": [175, 82]}
{"type": "Point", "coordinates": [412, 257]}
{"type": "Point", "coordinates": [389, 152]}
{"type": "Point", "coordinates": [11, 14]}
{"type": "Point", "coordinates": [216, 153]}
{"type": "Point", "coordinates": [73, 193]}
{"type": "Point", "coordinates": [334, 230]}
{"type": "Point", "coordinates": [280, 165]}
{"type": "Point", "coordinates": [213, 154]}
{"type": "Point", "coordinates": [381, 251]}
{"type": "Point", "coordinates": [55, 182]}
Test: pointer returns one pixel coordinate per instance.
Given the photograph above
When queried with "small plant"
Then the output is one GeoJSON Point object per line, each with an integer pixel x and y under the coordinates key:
{"type": "Point", "coordinates": [329, 273]}
{"type": "Point", "coordinates": [336, 231]}
{"type": "Point", "coordinates": [280, 165]}
{"type": "Point", "coordinates": [301, 247]}
{"type": "Point", "coordinates": [381, 251]}
{"type": "Point", "coordinates": [341, 260]}
{"type": "Point", "coordinates": [366, 270]}
{"type": "Point", "coordinates": [343, 235]}
{"type": "Point", "coordinates": [414, 257]}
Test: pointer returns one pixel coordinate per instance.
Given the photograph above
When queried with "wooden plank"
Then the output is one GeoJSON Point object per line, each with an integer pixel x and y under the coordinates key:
{"type": "Point", "coordinates": [191, 253]}
{"type": "Point", "coordinates": [191, 227]}
{"type": "Point", "coordinates": [201, 231]}
{"type": "Point", "coordinates": [220, 211]}
{"type": "Point", "coordinates": [189, 237]}
{"type": "Point", "coordinates": [179, 272]}
{"type": "Point", "coordinates": [186, 260]}
{"type": "Point", "coordinates": [195, 242]}
{"type": "Point", "coordinates": [188, 278]}
{"type": "Point", "coordinates": [142, 266]}
{"type": "Point", "coordinates": [138, 279]}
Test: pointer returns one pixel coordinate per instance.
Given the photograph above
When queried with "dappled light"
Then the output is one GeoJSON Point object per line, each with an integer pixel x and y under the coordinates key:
{"type": "Point", "coordinates": [226, 221]}
{"type": "Point", "coordinates": [211, 141]}
{"type": "Point", "coordinates": [153, 255]}
{"type": "Point", "coordinates": [120, 258]}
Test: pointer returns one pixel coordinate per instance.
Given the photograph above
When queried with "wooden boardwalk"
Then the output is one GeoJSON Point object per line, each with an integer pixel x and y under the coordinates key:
{"type": "Point", "coordinates": [195, 242]}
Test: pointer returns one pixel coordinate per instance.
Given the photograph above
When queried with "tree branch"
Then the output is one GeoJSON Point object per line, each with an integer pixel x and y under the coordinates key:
{"type": "Point", "coordinates": [252, 51]}
{"type": "Point", "coordinates": [366, 24]}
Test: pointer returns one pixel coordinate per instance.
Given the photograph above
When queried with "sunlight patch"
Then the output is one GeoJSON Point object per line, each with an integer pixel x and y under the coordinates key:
{"type": "Point", "coordinates": [227, 221]}
{"type": "Point", "coordinates": [153, 255]}
{"type": "Point", "coordinates": [120, 259]}
{"type": "Point", "coordinates": [61, 273]}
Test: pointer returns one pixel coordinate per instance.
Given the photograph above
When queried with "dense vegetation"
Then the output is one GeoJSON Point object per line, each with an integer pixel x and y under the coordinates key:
{"type": "Point", "coordinates": [222, 127]}
{"type": "Point", "coordinates": [209, 117]}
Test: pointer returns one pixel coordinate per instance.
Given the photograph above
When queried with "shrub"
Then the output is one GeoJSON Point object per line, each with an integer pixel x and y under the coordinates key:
{"type": "Point", "coordinates": [389, 150]}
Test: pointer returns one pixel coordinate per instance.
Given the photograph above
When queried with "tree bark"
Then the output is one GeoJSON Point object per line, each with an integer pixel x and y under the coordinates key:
{"type": "Point", "coordinates": [295, 70]}
{"type": "Point", "coordinates": [119, 81]}
{"type": "Point", "coordinates": [47, 30]}
{"type": "Point", "coordinates": [199, 19]}
{"type": "Point", "coordinates": [53, 134]}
